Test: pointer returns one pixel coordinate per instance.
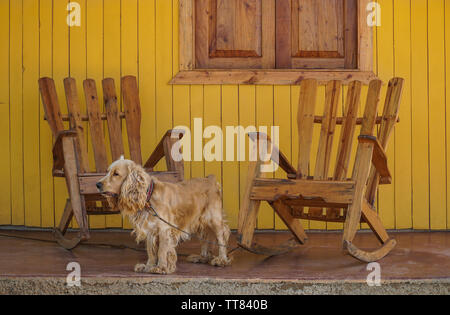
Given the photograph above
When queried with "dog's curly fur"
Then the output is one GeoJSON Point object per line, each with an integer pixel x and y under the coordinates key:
{"type": "Point", "coordinates": [194, 206]}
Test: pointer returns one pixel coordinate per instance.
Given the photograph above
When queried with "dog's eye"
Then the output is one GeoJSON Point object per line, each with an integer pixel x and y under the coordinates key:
{"type": "Point", "coordinates": [116, 174]}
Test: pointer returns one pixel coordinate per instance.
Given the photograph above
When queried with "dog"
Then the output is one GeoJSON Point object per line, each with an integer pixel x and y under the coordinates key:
{"type": "Point", "coordinates": [164, 214]}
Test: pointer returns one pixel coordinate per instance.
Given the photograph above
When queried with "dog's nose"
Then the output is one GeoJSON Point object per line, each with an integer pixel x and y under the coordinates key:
{"type": "Point", "coordinates": [99, 186]}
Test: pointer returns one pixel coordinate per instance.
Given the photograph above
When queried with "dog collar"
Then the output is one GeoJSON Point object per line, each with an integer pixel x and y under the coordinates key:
{"type": "Point", "coordinates": [150, 191]}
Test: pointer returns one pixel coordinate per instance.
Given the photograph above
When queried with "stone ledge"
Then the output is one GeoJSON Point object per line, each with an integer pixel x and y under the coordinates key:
{"type": "Point", "coordinates": [97, 285]}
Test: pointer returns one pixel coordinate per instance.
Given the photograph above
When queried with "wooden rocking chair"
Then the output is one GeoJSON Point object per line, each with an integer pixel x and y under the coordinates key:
{"type": "Point", "coordinates": [335, 199]}
{"type": "Point", "coordinates": [70, 155]}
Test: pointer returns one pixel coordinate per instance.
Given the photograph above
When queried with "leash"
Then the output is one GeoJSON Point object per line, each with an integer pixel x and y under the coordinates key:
{"type": "Point", "coordinates": [155, 214]}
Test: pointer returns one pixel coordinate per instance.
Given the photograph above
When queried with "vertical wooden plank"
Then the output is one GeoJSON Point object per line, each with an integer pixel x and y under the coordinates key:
{"type": "Point", "coordinates": [181, 93]}
{"type": "Point", "coordinates": [283, 34]}
{"type": "Point", "coordinates": [186, 34]}
{"type": "Point", "coordinates": [77, 54]}
{"type": "Point", "coordinates": [336, 144]}
{"type": "Point", "coordinates": [129, 64]}
{"type": "Point", "coordinates": [347, 131]}
{"type": "Point", "coordinates": [45, 134]}
{"type": "Point", "coordinates": [77, 57]}
{"type": "Point", "coordinates": [294, 137]}
{"type": "Point", "coordinates": [419, 97]}
{"type": "Point", "coordinates": [447, 102]}
{"type": "Point", "coordinates": [333, 90]}
{"type": "Point", "coordinates": [403, 141]}
{"type": "Point", "coordinates": [436, 97]}
{"type": "Point", "coordinates": [319, 110]}
{"type": "Point", "coordinates": [163, 60]}
{"type": "Point", "coordinates": [31, 113]}
{"type": "Point", "coordinates": [181, 115]}
{"type": "Point", "coordinates": [230, 117]}
{"type": "Point", "coordinates": [96, 131]}
{"type": "Point", "coordinates": [325, 145]}
{"type": "Point", "coordinates": [112, 37]}
{"type": "Point", "coordinates": [247, 117]}
{"type": "Point", "coordinates": [384, 131]}
{"type": "Point", "coordinates": [113, 118]}
{"type": "Point", "coordinates": [365, 38]}
{"type": "Point", "coordinates": [213, 117]}
{"type": "Point", "coordinates": [305, 124]}
{"type": "Point", "coordinates": [264, 117]}
{"type": "Point", "coordinates": [351, 35]}
{"type": "Point", "coordinates": [132, 109]}
{"type": "Point", "coordinates": [16, 106]}
{"type": "Point", "coordinates": [385, 72]}
{"type": "Point", "coordinates": [96, 126]}
{"type": "Point", "coordinates": [282, 118]}
{"type": "Point", "coordinates": [346, 138]}
{"type": "Point", "coordinates": [146, 78]}
{"type": "Point", "coordinates": [375, 70]}
{"type": "Point", "coordinates": [5, 160]}
{"type": "Point", "coordinates": [198, 166]}
{"type": "Point", "coordinates": [60, 71]}
{"type": "Point", "coordinates": [94, 71]}
{"type": "Point", "coordinates": [73, 107]}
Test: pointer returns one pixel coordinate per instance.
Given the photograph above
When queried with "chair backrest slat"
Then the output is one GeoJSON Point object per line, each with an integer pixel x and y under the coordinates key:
{"type": "Point", "coordinates": [73, 108]}
{"type": "Point", "coordinates": [370, 115]}
{"type": "Point", "coordinates": [391, 110]}
{"type": "Point", "coordinates": [113, 118]}
{"type": "Point", "coordinates": [305, 122]}
{"type": "Point", "coordinates": [346, 138]}
{"type": "Point", "coordinates": [51, 105]}
{"type": "Point", "coordinates": [348, 130]}
{"type": "Point", "coordinates": [371, 109]}
{"type": "Point", "coordinates": [132, 110]}
{"type": "Point", "coordinates": [389, 119]}
{"type": "Point", "coordinates": [95, 126]}
{"type": "Point", "coordinates": [332, 95]}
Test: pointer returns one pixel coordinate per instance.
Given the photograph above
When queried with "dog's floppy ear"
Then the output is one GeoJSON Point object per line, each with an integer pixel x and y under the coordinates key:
{"type": "Point", "coordinates": [133, 193]}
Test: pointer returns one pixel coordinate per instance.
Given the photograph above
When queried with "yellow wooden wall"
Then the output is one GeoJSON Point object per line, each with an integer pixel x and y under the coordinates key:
{"type": "Point", "coordinates": [140, 37]}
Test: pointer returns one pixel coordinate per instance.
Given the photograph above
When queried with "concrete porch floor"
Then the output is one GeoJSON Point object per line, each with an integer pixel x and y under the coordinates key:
{"type": "Point", "coordinates": [420, 264]}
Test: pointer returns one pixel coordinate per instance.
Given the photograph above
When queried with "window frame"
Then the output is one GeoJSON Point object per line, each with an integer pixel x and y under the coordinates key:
{"type": "Point", "coordinates": [188, 74]}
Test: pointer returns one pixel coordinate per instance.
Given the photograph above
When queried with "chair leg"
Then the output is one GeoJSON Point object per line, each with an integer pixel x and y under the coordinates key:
{"type": "Point", "coordinates": [66, 217]}
{"type": "Point", "coordinates": [77, 201]}
{"type": "Point", "coordinates": [249, 208]}
{"type": "Point", "coordinates": [247, 229]}
{"type": "Point", "coordinates": [294, 225]}
{"type": "Point", "coordinates": [247, 222]}
{"type": "Point", "coordinates": [59, 232]}
{"type": "Point", "coordinates": [374, 222]}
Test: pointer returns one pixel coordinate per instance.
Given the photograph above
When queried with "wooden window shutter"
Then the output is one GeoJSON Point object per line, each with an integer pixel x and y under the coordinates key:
{"type": "Point", "coordinates": [235, 34]}
{"type": "Point", "coordinates": [320, 34]}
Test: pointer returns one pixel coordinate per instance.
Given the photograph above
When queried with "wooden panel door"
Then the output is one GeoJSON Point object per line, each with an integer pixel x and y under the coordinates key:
{"type": "Point", "coordinates": [319, 34]}
{"type": "Point", "coordinates": [237, 34]}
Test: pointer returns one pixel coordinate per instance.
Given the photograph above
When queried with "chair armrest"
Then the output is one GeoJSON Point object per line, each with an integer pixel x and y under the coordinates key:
{"type": "Point", "coordinates": [158, 153]}
{"type": "Point", "coordinates": [379, 158]}
{"type": "Point", "coordinates": [58, 152]}
{"type": "Point", "coordinates": [277, 156]}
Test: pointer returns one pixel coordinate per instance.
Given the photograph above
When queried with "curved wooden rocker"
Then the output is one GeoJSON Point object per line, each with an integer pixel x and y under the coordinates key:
{"type": "Point", "coordinates": [317, 196]}
{"type": "Point", "coordinates": [70, 155]}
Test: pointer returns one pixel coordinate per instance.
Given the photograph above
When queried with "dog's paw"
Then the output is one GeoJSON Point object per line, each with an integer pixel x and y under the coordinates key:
{"type": "Point", "coordinates": [140, 268]}
{"type": "Point", "coordinates": [198, 259]}
{"type": "Point", "coordinates": [220, 262]}
{"type": "Point", "coordinates": [160, 270]}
